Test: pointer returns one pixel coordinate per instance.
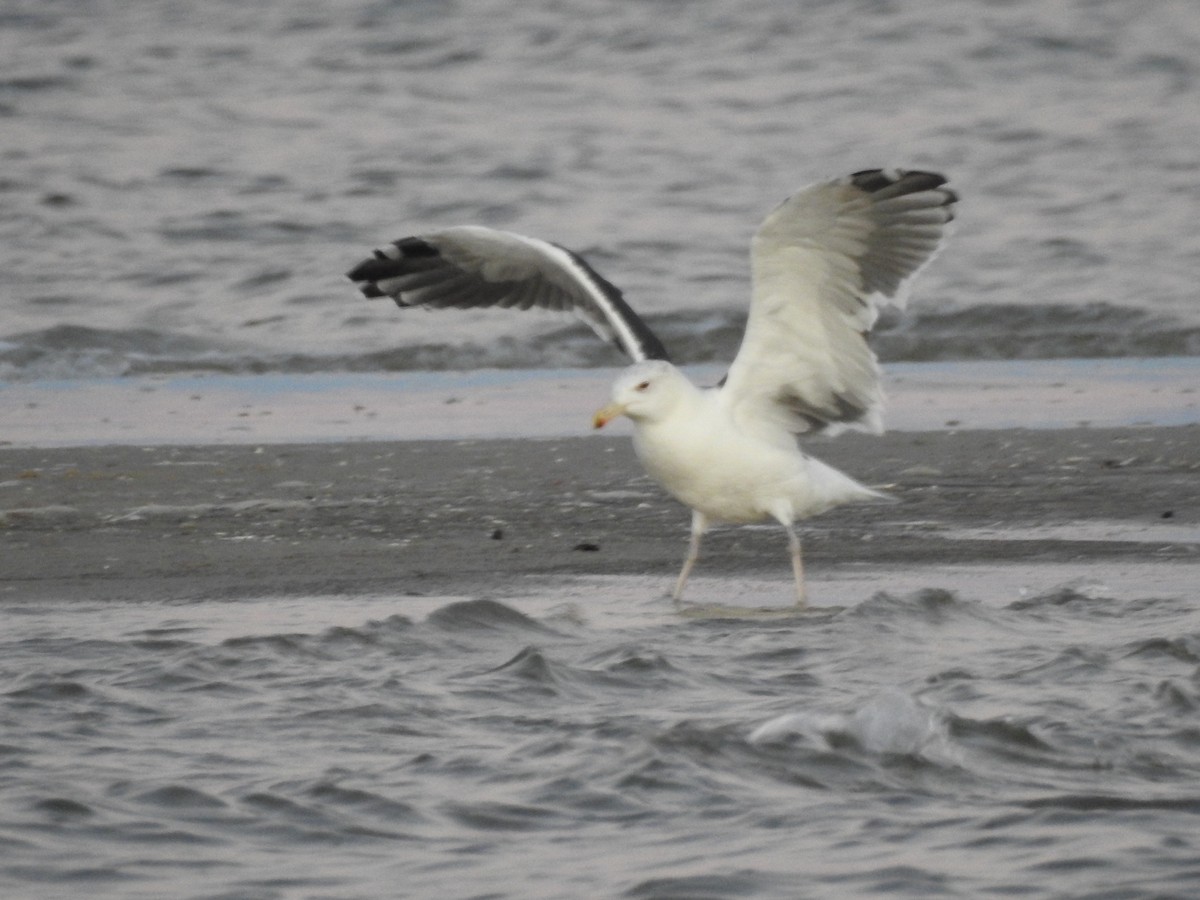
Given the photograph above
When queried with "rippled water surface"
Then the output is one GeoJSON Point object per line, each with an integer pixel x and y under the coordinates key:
{"type": "Point", "coordinates": [183, 184]}
{"type": "Point", "coordinates": [583, 740]}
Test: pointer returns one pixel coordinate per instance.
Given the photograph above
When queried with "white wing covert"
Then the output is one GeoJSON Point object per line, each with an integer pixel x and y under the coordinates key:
{"type": "Point", "coordinates": [823, 262]}
{"type": "Point", "coordinates": [471, 266]}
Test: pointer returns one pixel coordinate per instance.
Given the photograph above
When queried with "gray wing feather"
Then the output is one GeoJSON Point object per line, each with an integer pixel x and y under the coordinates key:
{"type": "Point", "coordinates": [823, 263]}
{"type": "Point", "coordinates": [472, 267]}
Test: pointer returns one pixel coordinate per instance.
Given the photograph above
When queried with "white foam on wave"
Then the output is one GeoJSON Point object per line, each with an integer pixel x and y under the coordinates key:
{"type": "Point", "coordinates": [890, 723]}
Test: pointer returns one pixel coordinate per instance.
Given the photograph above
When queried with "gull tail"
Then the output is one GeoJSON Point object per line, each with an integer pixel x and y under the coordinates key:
{"type": "Point", "coordinates": [831, 488]}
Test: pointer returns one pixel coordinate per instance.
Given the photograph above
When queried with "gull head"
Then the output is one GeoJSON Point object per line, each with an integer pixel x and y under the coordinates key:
{"type": "Point", "coordinates": [646, 391]}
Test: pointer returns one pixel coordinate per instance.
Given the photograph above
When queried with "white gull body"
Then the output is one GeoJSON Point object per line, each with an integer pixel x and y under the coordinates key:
{"type": "Point", "coordinates": [822, 263]}
{"type": "Point", "coordinates": [689, 441]}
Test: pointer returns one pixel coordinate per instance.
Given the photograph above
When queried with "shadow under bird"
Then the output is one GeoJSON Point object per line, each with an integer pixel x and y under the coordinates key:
{"type": "Point", "coordinates": [823, 262]}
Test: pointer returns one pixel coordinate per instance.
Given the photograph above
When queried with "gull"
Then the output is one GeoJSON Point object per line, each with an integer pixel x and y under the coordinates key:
{"type": "Point", "coordinates": [823, 263]}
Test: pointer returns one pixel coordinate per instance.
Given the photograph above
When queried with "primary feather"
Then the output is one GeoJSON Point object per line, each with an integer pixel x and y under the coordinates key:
{"type": "Point", "coordinates": [472, 266]}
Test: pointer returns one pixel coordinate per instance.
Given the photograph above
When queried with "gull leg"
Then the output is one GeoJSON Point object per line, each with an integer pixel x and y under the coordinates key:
{"type": "Point", "coordinates": [699, 525]}
{"type": "Point", "coordinates": [797, 565]}
{"type": "Point", "coordinates": [785, 516]}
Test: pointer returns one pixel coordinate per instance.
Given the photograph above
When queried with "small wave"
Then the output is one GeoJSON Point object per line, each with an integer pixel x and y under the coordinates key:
{"type": "Point", "coordinates": [76, 351]}
{"type": "Point", "coordinates": [1185, 649]}
{"type": "Point", "coordinates": [1081, 594]}
{"type": "Point", "coordinates": [483, 615]}
{"type": "Point", "coordinates": [53, 517]}
{"type": "Point", "coordinates": [707, 887]}
{"type": "Point", "coordinates": [1043, 331]}
{"type": "Point", "coordinates": [495, 816]}
{"type": "Point", "coordinates": [268, 803]}
{"type": "Point", "coordinates": [635, 668]}
{"type": "Point", "coordinates": [177, 796]}
{"type": "Point", "coordinates": [1018, 745]}
{"type": "Point", "coordinates": [64, 808]}
{"type": "Point", "coordinates": [1177, 699]}
{"type": "Point", "coordinates": [1016, 735]}
{"type": "Point", "coordinates": [330, 794]}
{"type": "Point", "coordinates": [928, 606]}
{"type": "Point", "coordinates": [35, 83]}
{"type": "Point", "coordinates": [1107, 803]}
{"type": "Point", "coordinates": [531, 665]}
{"type": "Point", "coordinates": [387, 632]}
{"type": "Point", "coordinates": [52, 692]}
{"type": "Point", "coordinates": [273, 644]}
{"type": "Point", "coordinates": [989, 331]}
{"type": "Point", "coordinates": [532, 673]}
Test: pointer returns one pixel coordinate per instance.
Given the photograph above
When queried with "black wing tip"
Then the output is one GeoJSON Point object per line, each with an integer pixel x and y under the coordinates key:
{"type": "Point", "coordinates": [375, 269]}
{"type": "Point", "coordinates": [872, 180]}
{"type": "Point", "coordinates": [887, 184]}
{"type": "Point", "coordinates": [413, 247]}
{"type": "Point", "coordinates": [391, 263]}
{"type": "Point", "coordinates": [902, 181]}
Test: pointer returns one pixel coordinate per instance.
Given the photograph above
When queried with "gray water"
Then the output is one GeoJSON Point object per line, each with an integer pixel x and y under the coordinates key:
{"type": "Point", "coordinates": [925, 744]}
{"type": "Point", "coordinates": [183, 184]}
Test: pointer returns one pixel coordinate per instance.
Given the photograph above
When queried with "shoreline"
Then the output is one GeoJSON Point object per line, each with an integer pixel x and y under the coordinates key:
{"type": "Point", "coordinates": [510, 403]}
{"type": "Point", "coordinates": [484, 517]}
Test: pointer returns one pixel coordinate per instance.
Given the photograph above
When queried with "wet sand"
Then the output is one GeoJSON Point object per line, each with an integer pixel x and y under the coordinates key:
{"type": "Point", "coordinates": [483, 517]}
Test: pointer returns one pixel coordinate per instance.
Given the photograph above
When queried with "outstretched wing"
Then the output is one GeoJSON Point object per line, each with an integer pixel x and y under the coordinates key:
{"type": "Point", "coordinates": [823, 262]}
{"type": "Point", "coordinates": [472, 266]}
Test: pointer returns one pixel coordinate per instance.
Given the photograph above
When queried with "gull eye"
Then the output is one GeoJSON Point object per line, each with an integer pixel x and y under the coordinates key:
{"type": "Point", "coordinates": [643, 386]}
